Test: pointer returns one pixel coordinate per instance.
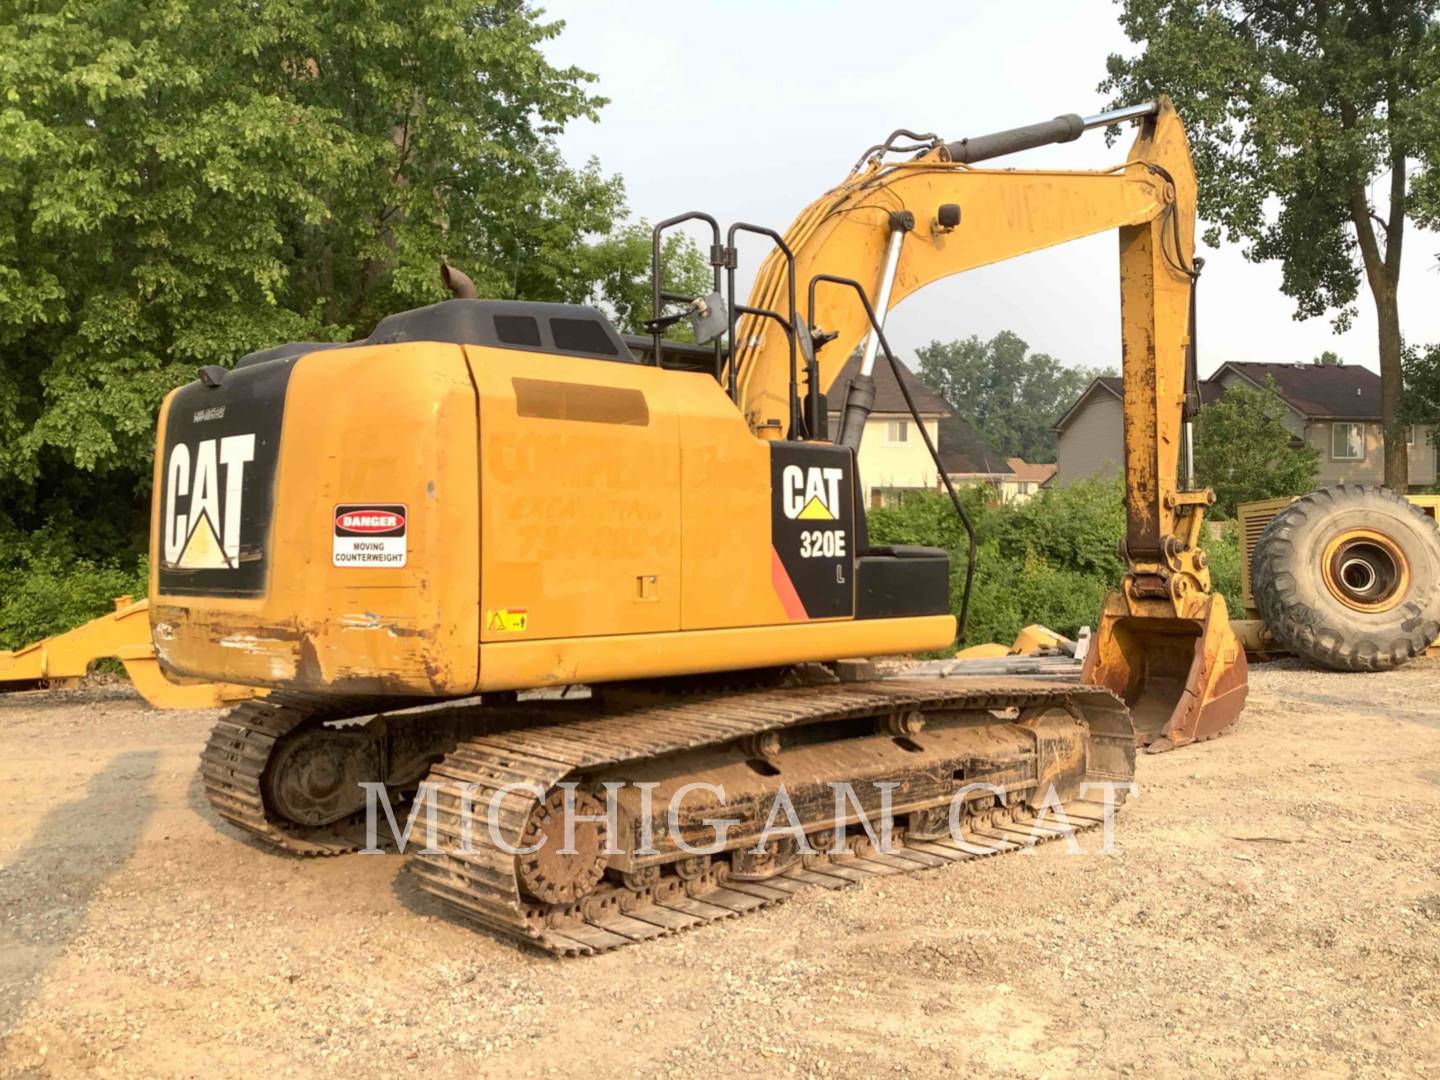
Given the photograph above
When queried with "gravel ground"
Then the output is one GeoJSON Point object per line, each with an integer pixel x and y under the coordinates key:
{"type": "Point", "coordinates": [1273, 906]}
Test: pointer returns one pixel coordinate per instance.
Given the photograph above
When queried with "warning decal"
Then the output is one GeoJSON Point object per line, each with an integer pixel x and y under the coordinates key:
{"type": "Point", "coordinates": [369, 534]}
{"type": "Point", "coordinates": [507, 620]}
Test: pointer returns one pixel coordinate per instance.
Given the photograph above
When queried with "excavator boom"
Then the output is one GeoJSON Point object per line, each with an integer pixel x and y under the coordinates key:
{"type": "Point", "coordinates": [1164, 641]}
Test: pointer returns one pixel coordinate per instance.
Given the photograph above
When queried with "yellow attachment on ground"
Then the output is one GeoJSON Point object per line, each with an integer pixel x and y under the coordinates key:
{"type": "Point", "coordinates": [989, 651]}
{"type": "Point", "coordinates": [1031, 641]}
{"type": "Point", "coordinates": [124, 633]}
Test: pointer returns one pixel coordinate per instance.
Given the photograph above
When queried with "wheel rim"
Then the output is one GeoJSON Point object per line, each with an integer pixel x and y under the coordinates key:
{"type": "Point", "coordinates": [1366, 570]}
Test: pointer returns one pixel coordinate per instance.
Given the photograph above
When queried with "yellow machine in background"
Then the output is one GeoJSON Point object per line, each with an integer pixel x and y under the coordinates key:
{"type": "Point", "coordinates": [124, 635]}
{"type": "Point", "coordinates": [491, 497]}
{"type": "Point", "coordinates": [1346, 577]}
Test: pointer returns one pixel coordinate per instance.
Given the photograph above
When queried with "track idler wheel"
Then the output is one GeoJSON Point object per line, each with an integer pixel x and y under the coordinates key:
{"type": "Point", "coordinates": [313, 777]}
{"type": "Point", "coordinates": [547, 872]}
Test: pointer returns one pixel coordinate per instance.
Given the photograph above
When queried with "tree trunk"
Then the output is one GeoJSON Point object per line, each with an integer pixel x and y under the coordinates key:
{"type": "Point", "coordinates": [1397, 457]}
{"type": "Point", "coordinates": [1382, 273]}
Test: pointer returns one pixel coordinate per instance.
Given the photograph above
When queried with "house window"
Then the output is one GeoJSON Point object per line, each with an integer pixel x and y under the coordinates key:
{"type": "Point", "coordinates": [1347, 442]}
{"type": "Point", "coordinates": [1410, 435]}
{"type": "Point", "coordinates": [897, 432]}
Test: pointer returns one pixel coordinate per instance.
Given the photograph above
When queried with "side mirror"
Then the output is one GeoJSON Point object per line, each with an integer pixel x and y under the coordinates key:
{"type": "Point", "coordinates": [709, 318]}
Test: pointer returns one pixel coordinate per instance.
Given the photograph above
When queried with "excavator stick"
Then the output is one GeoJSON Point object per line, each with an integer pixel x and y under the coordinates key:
{"type": "Point", "coordinates": [1165, 644]}
{"type": "Point", "coordinates": [1183, 677]}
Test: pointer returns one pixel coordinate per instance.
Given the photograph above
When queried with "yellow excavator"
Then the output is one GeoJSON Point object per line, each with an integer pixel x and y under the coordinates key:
{"type": "Point", "coordinates": [543, 567]}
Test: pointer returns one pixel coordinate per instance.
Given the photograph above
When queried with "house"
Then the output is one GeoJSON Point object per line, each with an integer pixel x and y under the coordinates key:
{"type": "Point", "coordinates": [1026, 479]}
{"type": "Point", "coordinates": [893, 456]}
{"type": "Point", "coordinates": [1335, 408]}
{"type": "Point", "coordinates": [1090, 435]}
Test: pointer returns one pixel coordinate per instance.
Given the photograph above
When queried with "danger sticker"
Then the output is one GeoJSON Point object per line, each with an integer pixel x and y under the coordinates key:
{"type": "Point", "coordinates": [369, 534]}
{"type": "Point", "coordinates": [507, 620]}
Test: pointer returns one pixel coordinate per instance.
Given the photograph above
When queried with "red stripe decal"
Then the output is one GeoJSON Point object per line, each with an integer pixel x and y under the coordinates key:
{"type": "Point", "coordinates": [785, 589]}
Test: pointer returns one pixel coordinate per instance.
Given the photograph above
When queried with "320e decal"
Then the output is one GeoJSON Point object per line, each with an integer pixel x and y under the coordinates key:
{"type": "Point", "coordinates": [812, 529]}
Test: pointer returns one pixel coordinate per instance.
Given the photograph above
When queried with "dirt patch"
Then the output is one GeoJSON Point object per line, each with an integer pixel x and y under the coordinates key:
{"type": "Point", "coordinates": [1274, 904]}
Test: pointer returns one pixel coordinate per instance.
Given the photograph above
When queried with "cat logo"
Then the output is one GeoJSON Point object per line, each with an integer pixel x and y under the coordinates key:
{"type": "Point", "coordinates": [202, 503]}
{"type": "Point", "coordinates": [811, 493]}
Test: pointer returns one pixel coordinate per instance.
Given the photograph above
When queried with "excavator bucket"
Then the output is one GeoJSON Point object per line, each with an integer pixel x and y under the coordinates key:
{"type": "Point", "coordinates": [1184, 678]}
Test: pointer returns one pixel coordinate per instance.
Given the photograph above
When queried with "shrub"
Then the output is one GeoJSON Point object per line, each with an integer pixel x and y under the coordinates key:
{"type": "Point", "coordinates": [1049, 560]}
{"type": "Point", "coordinates": [1222, 545]}
{"type": "Point", "coordinates": [48, 587]}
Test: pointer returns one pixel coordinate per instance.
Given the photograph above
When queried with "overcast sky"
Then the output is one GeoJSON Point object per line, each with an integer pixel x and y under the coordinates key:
{"type": "Point", "coordinates": [751, 109]}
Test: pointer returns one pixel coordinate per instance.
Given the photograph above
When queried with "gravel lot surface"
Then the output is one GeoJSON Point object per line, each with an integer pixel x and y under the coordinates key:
{"type": "Point", "coordinates": [1273, 906]}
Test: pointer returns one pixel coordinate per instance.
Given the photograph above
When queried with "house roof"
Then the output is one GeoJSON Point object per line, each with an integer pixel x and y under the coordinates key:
{"type": "Point", "coordinates": [888, 398]}
{"type": "Point", "coordinates": [964, 451]}
{"type": "Point", "coordinates": [1024, 470]}
{"type": "Point", "coordinates": [1346, 392]}
{"type": "Point", "coordinates": [1210, 392]}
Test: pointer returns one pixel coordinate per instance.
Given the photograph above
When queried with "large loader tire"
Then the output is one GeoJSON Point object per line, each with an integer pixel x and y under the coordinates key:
{"type": "Point", "coordinates": [1348, 578]}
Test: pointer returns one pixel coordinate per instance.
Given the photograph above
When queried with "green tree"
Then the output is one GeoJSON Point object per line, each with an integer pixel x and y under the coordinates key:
{"type": "Point", "coordinates": [1316, 108]}
{"type": "Point", "coordinates": [1244, 451]}
{"type": "Point", "coordinates": [183, 181]}
{"type": "Point", "coordinates": [1328, 358]}
{"type": "Point", "coordinates": [1422, 387]}
{"type": "Point", "coordinates": [1009, 394]}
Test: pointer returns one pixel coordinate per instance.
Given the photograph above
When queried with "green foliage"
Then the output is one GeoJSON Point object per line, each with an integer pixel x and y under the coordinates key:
{"type": "Point", "coordinates": [49, 583]}
{"type": "Point", "coordinates": [182, 182]}
{"type": "Point", "coordinates": [1244, 451]}
{"type": "Point", "coordinates": [620, 269]}
{"type": "Point", "coordinates": [1049, 560]}
{"type": "Point", "coordinates": [1328, 358]}
{"type": "Point", "coordinates": [1422, 386]}
{"type": "Point", "coordinates": [1221, 544]}
{"type": "Point", "coordinates": [1009, 394]}
{"type": "Point", "coordinates": [1307, 103]}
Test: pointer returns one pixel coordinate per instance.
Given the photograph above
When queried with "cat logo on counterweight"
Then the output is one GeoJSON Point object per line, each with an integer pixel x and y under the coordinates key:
{"type": "Point", "coordinates": [203, 492]}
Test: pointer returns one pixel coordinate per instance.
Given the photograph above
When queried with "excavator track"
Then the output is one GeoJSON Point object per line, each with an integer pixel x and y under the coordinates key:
{"type": "Point", "coordinates": [472, 873]}
{"type": "Point", "coordinates": [237, 753]}
{"type": "Point", "coordinates": [396, 740]}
